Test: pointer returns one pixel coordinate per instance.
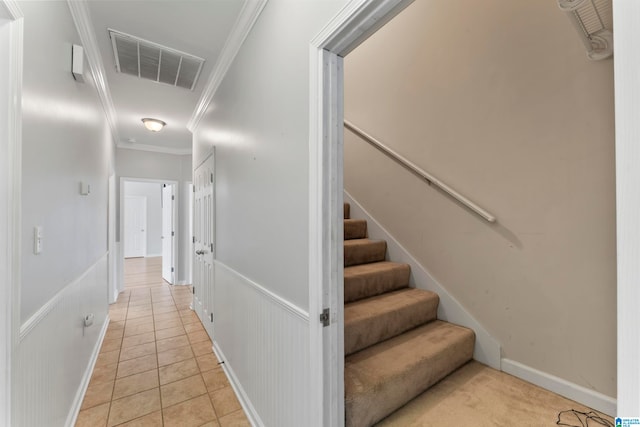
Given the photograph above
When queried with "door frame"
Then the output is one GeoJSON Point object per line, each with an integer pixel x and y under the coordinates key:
{"type": "Point", "coordinates": [10, 202]}
{"type": "Point", "coordinates": [174, 236]}
{"type": "Point", "coordinates": [144, 243]}
{"type": "Point", "coordinates": [124, 179]}
{"type": "Point", "coordinates": [351, 26]}
{"type": "Point", "coordinates": [626, 14]}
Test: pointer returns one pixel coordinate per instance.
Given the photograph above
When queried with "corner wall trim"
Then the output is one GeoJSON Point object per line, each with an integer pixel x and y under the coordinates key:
{"type": "Point", "coordinates": [243, 25]}
{"type": "Point", "coordinates": [77, 401]}
{"type": "Point", "coordinates": [587, 397]}
{"type": "Point", "coordinates": [42, 313]}
{"type": "Point", "coordinates": [153, 148]}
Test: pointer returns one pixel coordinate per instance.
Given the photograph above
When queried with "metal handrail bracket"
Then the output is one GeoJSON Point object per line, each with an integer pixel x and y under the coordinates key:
{"type": "Point", "coordinates": [430, 179]}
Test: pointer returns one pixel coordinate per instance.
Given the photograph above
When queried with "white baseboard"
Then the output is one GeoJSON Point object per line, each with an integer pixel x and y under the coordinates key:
{"type": "Point", "coordinates": [248, 408]}
{"type": "Point", "coordinates": [153, 255]}
{"type": "Point", "coordinates": [77, 401]}
{"type": "Point", "coordinates": [487, 349]}
{"type": "Point", "coordinates": [182, 283]}
{"type": "Point", "coordinates": [585, 396]}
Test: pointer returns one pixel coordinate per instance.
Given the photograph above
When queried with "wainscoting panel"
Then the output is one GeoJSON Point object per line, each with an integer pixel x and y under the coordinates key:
{"type": "Point", "coordinates": [56, 353]}
{"type": "Point", "coordinates": [264, 343]}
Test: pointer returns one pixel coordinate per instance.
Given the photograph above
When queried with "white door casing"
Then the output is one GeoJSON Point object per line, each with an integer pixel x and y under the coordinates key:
{"type": "Point", "coordinates": [354, 23]}
{"type": "Point", "coordinates": [10, 194]}
{"type": "Point", "coordinates": [135, 226]}
{"type": "Point", "coordinates": [203, 246]}
{"type": "Point", "coordinates": [168, 233]}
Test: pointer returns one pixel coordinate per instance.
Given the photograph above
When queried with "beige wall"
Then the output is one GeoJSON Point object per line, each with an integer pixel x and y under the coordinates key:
{"type": "Point", "coordinates": [499, 101]}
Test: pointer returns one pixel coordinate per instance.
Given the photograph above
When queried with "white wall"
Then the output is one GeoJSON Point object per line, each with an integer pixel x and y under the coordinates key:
{"type": "Point", "coordinates": [499, 101]}
{"type": "Point", "coordinates": [153, 194]}
{"type": "Point", "coordinates": [160, 166]}
{"type": "Point", "coordinates": [65, 141]}
{"type": "Point", "coordinates": [259, 123]}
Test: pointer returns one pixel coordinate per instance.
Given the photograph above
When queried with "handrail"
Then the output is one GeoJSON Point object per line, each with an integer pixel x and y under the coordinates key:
{"type": "Point", "coordinates": [430, 179]}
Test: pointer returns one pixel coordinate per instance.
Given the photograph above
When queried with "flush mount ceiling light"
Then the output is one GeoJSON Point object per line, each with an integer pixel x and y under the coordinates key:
{"type": "Point", "coordinates": [154, 125]}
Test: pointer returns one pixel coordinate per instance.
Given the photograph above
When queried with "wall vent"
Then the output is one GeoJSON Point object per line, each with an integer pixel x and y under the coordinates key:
{"type": "Point", "coordinates": [593, 19]}
{"type": "Point", "coordinates": [151, 61]}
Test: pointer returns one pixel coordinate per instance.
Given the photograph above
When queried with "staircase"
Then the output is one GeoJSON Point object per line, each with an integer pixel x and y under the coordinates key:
{"type": "Point", "coordinates": [395, 348]}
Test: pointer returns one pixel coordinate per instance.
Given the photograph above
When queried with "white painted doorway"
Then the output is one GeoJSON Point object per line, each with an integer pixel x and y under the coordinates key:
{"type": "Point", "coordinates": [203, 243]}
{"type": "Point", "coordinates": [135, 226]}
{"type": "Point", "coordinates": [358, 20]}
{"type": "Point", "coordinates": [11, 50]}
{"type": "Point", "coordinates": [168, 233]}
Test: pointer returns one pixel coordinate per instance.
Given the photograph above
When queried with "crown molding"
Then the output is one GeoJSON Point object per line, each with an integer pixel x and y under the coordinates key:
{"type": "Point", "coordinates": [153, 148]}
{"type": "Point", "coordinates": [81, 17]}
{"type": "Point", "coordinates": [14, 10]}
{"type": "Point", "coordinates": [243, 25]}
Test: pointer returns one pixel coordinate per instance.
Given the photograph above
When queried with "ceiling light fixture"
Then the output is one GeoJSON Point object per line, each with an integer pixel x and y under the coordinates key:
{"type": "Point", "coordinates": [154, 125]}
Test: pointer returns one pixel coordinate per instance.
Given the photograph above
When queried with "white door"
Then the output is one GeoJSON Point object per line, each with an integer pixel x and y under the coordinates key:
{"type": "Point", "coordinates": [135, 226]}
{"type": "Point", "coordinates": [204, 234]}
{"type": "Point", "coordinates": [168, 233]}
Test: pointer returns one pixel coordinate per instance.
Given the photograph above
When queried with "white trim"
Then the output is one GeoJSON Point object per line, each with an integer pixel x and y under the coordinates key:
{"type": "Point", "coordinates": [14, 10]}
{"type": "Point", "coordinates": [244, 400]}
{"type": "Point", "coordinates": [181, 283]}
{"type": "Point", "coordinates": [626, 15]}
{"type": "Point", "coordinates": [81, 18]}
{"type": "Point", "coordinates": [86, 378]}
{"type": "Point", "coordinates": [153, 148]}
{"type": "Point", "coordinates": [585, 396]}
{"type": "Point", "coordinates": [153, 255]}
{"type": "Point", "coordinates": [276, 299]}
{"type": "Point", "coordinates": [42, 313]}
{"type": "Point", "coordinates": [352, 25]}
{"type": "Point", "coordinates": [12, 178]}
{"type": "Point", "coordinates": [487, 349]}
{"type": "Point", "coordinates": [243, 25]}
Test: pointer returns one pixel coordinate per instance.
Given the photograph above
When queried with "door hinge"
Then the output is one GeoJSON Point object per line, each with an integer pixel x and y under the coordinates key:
{"type": "Point", "coordinates": [211, 248]}
{"type": "Point", "coordinates": [172, 269]}
{"type": "Point", "coordinates": [212, 178]}
{"type": "Point", "coordinates": [193, 290]}
{"type": "Point", "coordinates": [173, 197]}
{"type": "Point", "coordinates": [324, 317]}
{"type": "Point", "coordinates": [173, 233]}
{"type": "Point", "coordinates": [194, 239]}
{"type": "Point", "coordinates": [211, 317]}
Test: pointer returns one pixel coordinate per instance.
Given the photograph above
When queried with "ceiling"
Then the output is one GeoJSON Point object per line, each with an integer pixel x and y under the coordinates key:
{"type": "Point", "coordinates": [197, 27]}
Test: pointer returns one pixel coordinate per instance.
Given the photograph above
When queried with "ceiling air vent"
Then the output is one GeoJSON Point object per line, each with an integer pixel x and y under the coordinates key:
{"type": "Point", "coordinates": [593, 19]}
{"type": "Point", "coordinates": [148, 60]}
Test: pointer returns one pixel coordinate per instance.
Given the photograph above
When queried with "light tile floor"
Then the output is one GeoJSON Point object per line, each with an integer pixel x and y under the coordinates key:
{"type": "Point", "coordinates": [156, 366]}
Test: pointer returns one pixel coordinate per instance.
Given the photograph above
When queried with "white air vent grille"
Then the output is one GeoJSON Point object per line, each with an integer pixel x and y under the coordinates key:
{"type": "Point", "coordinates": [148, 60]}
{"type": "Point", "coordinates": [594, 21]}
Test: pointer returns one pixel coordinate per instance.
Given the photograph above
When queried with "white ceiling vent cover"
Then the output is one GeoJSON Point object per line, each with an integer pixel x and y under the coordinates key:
{"type": "Point", "coordinates": [148, 60]}
{"type": "Point", "coordinates": [593, 19]}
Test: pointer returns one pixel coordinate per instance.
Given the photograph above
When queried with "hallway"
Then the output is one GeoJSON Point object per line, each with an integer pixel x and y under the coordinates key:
{"type": "Point", "coordinates": [156, 366]}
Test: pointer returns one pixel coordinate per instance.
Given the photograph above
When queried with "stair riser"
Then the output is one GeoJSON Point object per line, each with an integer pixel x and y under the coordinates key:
{"type": "Point", "coordinates": [369, 331]}
{"type": "Point", "coordinates": [355, 229]}
{"type": "Point", "coordinates": [367, 285]}
{"type": "Point", "coordinates": [373, 251]}
{"type": "Point", "coordinates": [347, 210]}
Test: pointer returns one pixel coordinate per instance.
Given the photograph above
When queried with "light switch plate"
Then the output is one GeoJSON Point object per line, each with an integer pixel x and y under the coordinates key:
{"type": "Point", "coordinates": [37, 239]}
